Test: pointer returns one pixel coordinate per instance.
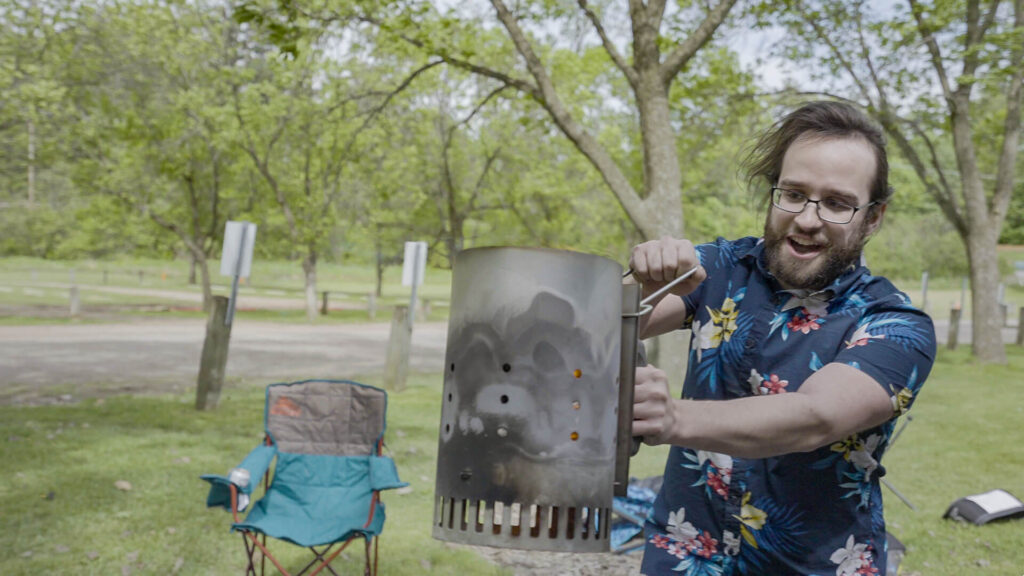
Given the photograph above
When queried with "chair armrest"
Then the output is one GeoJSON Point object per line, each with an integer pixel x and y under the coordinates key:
{"type": "Point", "coordinates": [384, 474]}
{"type": "Point", "coordinates": [255, 464]}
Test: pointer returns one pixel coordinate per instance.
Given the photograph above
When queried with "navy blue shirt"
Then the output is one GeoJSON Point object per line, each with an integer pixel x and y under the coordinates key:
{"type": "Point", "coordinates": [809, 513]}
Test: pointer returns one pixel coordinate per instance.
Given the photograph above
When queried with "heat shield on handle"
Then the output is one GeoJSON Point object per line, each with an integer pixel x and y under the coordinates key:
{"type": "Point", "coordinates": [624, 444]}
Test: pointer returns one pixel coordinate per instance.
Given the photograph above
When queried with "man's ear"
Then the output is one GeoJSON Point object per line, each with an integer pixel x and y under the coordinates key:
{"type": "Point", "coordinates": [875, 216]}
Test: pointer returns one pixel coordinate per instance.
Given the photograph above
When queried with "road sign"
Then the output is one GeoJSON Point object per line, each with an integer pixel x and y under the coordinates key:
{"type": "Point", "coordinates": [414, 264]}
{"type": "Point", "coordinates": [236, 258]}
{"type": "Point", "coordinates": [239, 240]}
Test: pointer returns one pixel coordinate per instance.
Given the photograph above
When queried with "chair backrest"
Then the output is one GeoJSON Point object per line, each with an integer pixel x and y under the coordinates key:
{"type": "Point", "coordinates": [330, 417]}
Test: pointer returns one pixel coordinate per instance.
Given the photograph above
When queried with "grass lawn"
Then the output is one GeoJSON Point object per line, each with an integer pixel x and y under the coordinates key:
{"type": "Point", "coordinates": [35, 291]}
{"type": "Point", "coordinates": [63, 514]}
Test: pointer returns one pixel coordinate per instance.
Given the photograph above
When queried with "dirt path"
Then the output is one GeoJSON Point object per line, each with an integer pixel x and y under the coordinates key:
{"type": "Point", "coordinates": [47, 363]}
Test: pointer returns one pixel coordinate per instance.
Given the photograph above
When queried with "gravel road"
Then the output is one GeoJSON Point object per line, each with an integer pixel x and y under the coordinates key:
{"type": "Point", "coordinates": [45, 363]}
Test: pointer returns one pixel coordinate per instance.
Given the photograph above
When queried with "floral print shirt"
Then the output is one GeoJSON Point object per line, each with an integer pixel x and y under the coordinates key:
{"type": "Point", "coordinates": [813, 513]}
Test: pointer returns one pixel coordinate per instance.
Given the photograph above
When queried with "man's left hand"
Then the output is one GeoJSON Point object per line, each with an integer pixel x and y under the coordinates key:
{"type": "Point", "coordinates": [654, 409]}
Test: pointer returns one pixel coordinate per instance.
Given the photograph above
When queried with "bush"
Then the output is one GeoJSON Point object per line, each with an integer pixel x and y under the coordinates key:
{"type": "Point", "coordinates": [908, 245]}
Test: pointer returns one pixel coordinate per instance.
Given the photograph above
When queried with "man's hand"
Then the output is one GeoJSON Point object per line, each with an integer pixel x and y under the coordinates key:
{"type": "Point", "coordinates": [654, 410]}
{"type": "Point", "coordinates": [658, 262]}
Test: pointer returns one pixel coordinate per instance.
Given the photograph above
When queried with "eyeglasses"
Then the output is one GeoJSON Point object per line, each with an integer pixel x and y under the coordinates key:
{"type": "Point", "coordinates": [829, 210]}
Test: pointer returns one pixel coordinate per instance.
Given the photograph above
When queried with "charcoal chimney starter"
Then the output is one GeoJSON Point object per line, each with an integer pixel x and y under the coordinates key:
{"type": "Point", "coordinates": [527, 440]}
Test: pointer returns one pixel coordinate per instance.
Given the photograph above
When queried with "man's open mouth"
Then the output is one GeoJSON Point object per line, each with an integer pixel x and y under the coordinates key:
{"type": "Point", "coordinates": [802, 247]}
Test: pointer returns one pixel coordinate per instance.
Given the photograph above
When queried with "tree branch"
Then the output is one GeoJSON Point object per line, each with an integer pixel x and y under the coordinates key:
{"type": "Point", "coordinates": [933, 49]}
{"type": "Point", "coordinates": [627, 70]}
{"type": "Point", "coordinates": [519, 84]}
{"type": "Point", "coordinates": [1011, 125]}
{"type": "Point", "coordinates": [631, 202]}
{"type": "Point", "coordinates": [826, 38]}
{"type": "Point", "coordinates": [682, 53]}
{"type": "Point", "coordinates": [378, 109]}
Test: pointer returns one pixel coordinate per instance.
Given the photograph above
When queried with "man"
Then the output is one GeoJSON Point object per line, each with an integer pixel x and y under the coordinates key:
{"type": "Point", "coordinates": [799, 365]}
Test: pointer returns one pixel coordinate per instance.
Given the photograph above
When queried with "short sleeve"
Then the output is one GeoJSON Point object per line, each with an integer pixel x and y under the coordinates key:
{"type": "Point", "coordinates": [895, 345]}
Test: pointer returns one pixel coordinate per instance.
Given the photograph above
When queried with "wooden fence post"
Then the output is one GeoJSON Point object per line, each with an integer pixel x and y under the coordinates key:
{"type": "Point", "coordinates": [215, 356]}
{"type": "Point", "coordinates": [396, 370]}
{"type": "Point", "coordinates": [1020, 327]}
{"type": "Point", "coordinates": [954, 327]}
{"type": "Point", "coordinates": [75, 306]}
{"type": "Point", "coordinates": [324, 306]}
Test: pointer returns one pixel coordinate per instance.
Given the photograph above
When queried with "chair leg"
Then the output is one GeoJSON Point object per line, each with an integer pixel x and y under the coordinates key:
{"type": "Point", "coordinates": [325, 563]}
{"type": "Point", "coordinates": [263, 558]}
{"type": "Point", "coordinates": [366, 571]}
{"type": "Point", "coordinates": [319, 557]}
{"type": "Point", "coordinates": [376, 548]}
{"type": "Point", "coordinates": [250, 569]}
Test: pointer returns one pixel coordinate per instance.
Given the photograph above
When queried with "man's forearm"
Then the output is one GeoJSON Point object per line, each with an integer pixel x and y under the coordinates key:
{"type": "Point", "coordinates": [754, 427]}
{"type": "Point", "coordinates": [831, 405]}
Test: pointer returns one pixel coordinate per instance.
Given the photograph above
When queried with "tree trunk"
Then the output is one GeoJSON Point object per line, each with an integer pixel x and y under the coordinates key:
{"type": "Point", "coordinates": [309, 272]}
{"type": "Point", "coordinates": [31, 163]}
{"type": "Point", "coordinates": [379, 288]}
{"type": "Point", "coordinates": [199, 261]}
{"type": "Point", "coordinates": [191, 269]}
{"type": "Point", "coordinates": [986, 331]}
{"type": "Point", "coordinates": [982, 239]}
{"type": "Point", "coordinates": [662, 176]}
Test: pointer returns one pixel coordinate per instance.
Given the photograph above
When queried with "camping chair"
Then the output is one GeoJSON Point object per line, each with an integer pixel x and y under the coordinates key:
{"type": "Point", "coordinates": [323, 493]}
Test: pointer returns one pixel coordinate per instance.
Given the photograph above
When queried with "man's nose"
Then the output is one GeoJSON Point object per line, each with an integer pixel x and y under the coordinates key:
{"type": "Point", "coordinates": [808, 217]}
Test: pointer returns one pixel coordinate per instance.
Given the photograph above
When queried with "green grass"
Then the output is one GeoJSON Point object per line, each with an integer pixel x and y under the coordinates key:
{"type": "Point", "coordinates": [35, 291]}
{"type": "Point", "coordinates": [966, 438]}
{"type": "Point", "coordinates": [161, 445]}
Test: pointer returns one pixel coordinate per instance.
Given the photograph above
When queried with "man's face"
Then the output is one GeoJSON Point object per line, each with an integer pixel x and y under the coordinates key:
{"type": "Point", "coordinates": [804, 251]}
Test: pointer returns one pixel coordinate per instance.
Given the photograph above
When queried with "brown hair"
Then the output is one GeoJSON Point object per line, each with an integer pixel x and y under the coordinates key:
{"type": "Point", "coordinates": [823, 119]}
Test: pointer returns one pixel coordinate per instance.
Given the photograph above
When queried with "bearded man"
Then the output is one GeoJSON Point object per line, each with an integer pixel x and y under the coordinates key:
{"type": "Point", "coordinates": [800, 363]}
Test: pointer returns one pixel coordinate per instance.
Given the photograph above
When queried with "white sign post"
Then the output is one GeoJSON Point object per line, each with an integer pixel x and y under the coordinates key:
{"type": "Point", "coordinates": [413, 267]}
{"type": "Point", "coordinates": [236, 258]}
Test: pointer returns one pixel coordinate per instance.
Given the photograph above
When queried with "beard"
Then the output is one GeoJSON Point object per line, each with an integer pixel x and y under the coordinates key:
{"type": "Point", "coordinates": [818, 273]}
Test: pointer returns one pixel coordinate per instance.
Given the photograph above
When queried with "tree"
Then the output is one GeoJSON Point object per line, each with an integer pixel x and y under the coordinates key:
{"type": "Point", "coordinates": [943, 78]}
{"type": "Point", "coordinates": [662, 45]}
{"type": "Point", "coordinates": [155, 123]}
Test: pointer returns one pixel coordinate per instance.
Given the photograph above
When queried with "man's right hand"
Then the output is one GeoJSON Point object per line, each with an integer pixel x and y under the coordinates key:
{"type": "Point", "coordinates": [658, 262]}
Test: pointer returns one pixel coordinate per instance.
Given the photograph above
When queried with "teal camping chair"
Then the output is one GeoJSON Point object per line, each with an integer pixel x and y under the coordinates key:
{"type": "Point", "coordinates": [324, 491]}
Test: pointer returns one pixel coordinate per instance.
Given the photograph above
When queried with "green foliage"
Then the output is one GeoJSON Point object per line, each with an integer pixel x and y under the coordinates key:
{"type": "Point", "coordinates": [908, 245]}
{"type": "Point", "coordinates": [1013, 230]}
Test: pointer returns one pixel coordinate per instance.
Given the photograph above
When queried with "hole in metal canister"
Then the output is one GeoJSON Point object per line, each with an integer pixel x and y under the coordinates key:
{"type": "Point", "coordinates": [447, 428]}
{"type": "Point", "coordinates": [506, 367]}
{"type": "Point", "coordinates": [453, 367]}
{"type": "Point", "coordinates": [504, 398]}
{"type": "Point", "coordinates": [449, 396]}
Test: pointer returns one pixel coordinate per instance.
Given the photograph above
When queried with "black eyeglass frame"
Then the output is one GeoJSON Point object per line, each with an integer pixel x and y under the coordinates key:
{"type": "Point", "coordinates": [817, 205]}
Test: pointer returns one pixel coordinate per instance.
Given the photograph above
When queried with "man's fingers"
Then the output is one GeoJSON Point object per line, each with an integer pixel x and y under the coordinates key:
{"type": "Point", "coordinates": [638, 262]}
{"type": "Point", "coordinates": [655, 265]}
